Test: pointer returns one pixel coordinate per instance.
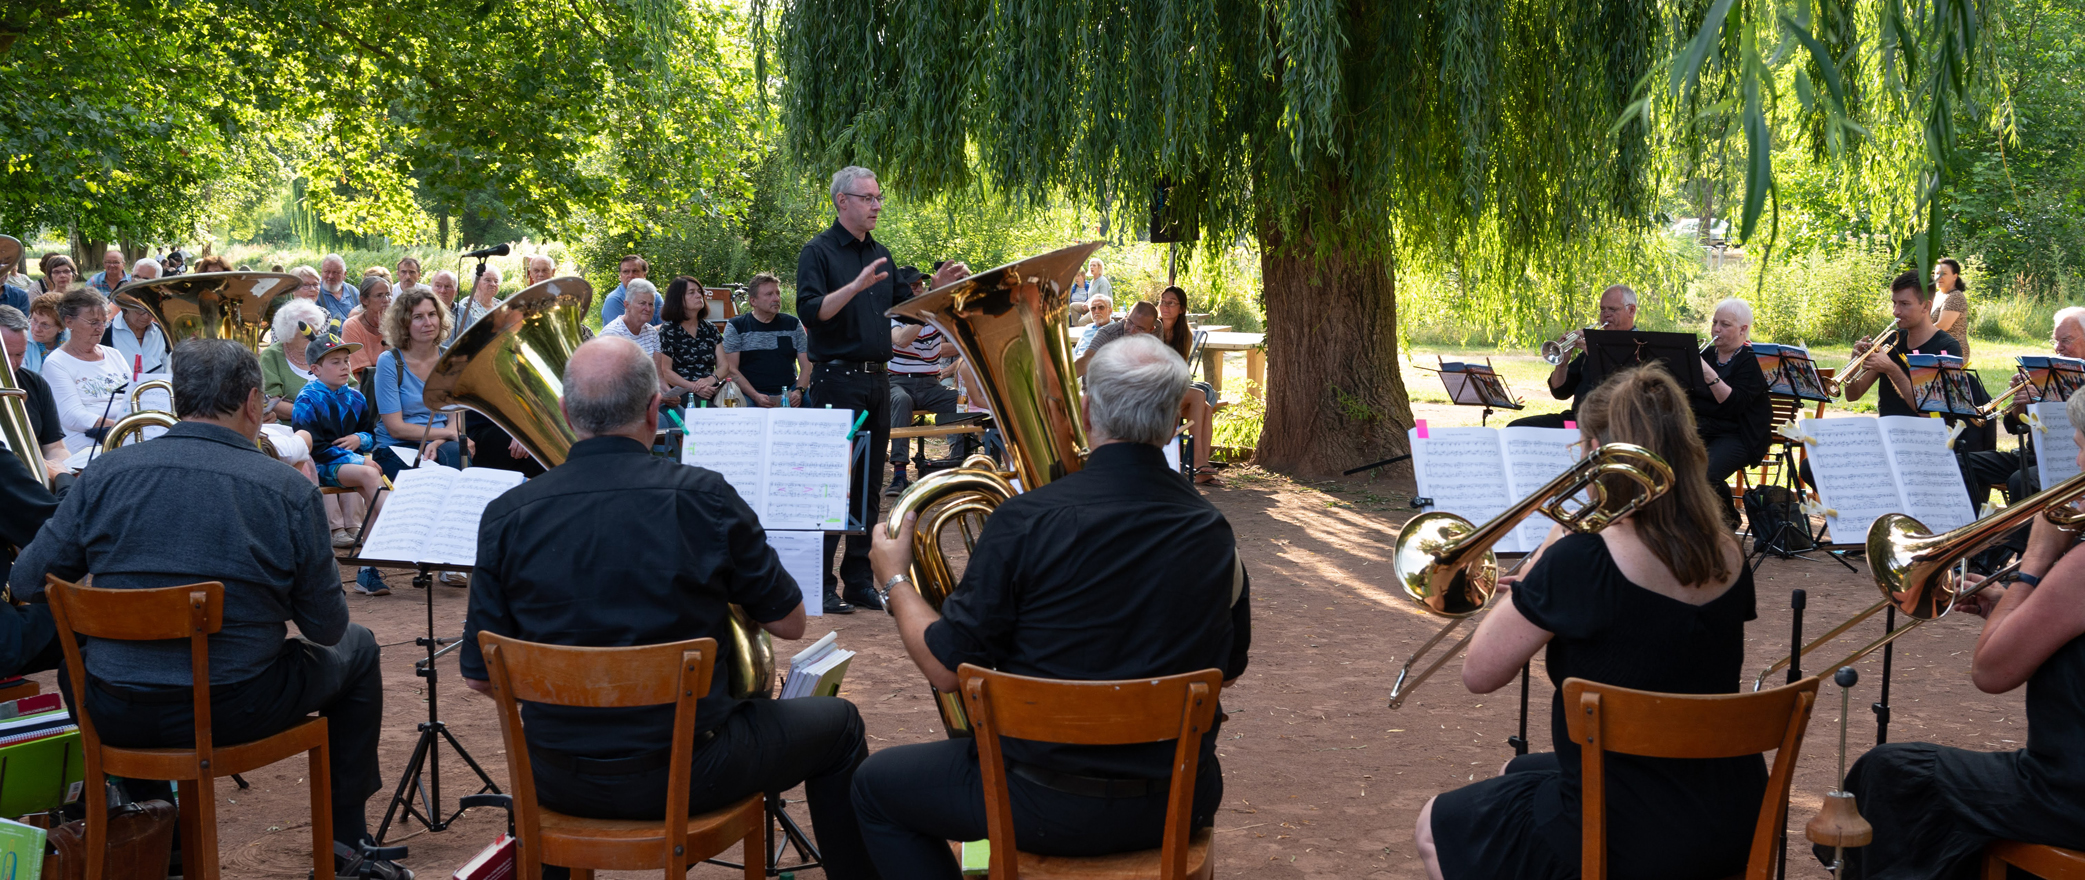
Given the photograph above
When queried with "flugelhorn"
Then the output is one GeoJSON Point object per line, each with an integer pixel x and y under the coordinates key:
{"type": "Point", "coordinates": [1858, 365]}
{"type": "Point", "coordinates": [1915, 569]}
{"type": "Point", "coordinates": [1556, 350]}
{"type": "Point", "coordinates": [1446, 565]}
{"type": "Point", "coordinates": [1009, 325]}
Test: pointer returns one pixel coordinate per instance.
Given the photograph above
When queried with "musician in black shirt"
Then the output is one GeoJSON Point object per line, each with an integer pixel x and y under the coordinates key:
{"type": "Point", "coordinates": [617, 547]}
{"type": "Point", "coordinates": [1567, 380]}
{"type": "Point", "coordinates": [1036, 600]}
{"type": "Point", "coordinates": [843, 287]}
{"type": "Point", "coordinates": [1888, 372]}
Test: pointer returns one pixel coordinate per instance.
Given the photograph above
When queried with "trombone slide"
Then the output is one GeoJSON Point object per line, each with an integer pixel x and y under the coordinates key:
{"type": "Point", "coordinates": [1399, 690]}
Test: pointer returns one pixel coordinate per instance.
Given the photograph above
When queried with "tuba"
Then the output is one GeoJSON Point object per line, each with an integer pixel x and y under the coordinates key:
{"type": "Point", "coordinates": [210, 305]}
{"type": "Point", "coordinates": [1009, 324]}
{"type": "Point", "coordinates": [10, 256]}
{"type": "Point", "coordinates": [509, 366]}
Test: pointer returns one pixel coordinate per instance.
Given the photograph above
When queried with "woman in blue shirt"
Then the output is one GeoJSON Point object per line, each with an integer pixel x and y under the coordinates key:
{"type": "Point", "coordinates": [414, 327]}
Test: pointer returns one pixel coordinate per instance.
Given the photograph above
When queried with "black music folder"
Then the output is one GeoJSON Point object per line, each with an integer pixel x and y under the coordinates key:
{"type": "Point", "coordinates": [1610, 351]}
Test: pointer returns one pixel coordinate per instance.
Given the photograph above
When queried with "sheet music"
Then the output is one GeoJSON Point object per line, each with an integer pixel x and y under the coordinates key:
{"type": "Point", "coordinates": [2055, 447]}
{"type": "Point", "coordinates": [800, 553]}
{"type": "Point", "coordinates": [1534, 456]}
{"type": "Point", "coordinates": [432, 515]}
{"type": "Point", "coordinates": [728, 440]}
{"type": "Point", "coordinates": [1926, 471]}
{"type": "Point", "coordinates": [790, 464]}
{"type": "Point", "coordinates": [1856, 484]}
{"type": "Point", "coordinates": [1464, 471]}
{"type": "Point", "coordinates": [156, 398]}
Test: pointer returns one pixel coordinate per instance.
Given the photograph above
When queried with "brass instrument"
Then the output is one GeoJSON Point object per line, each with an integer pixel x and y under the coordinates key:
{"type": "Point", "coordinates": [1913, 568]}
{"type": "Point", "coordinates": [212, 305]}
{"type": "Point", "coordinates": [1009, 325]}
{"type": "Point", "coordinates": [510, 366]}
{"type": "Point", "coordinates": [134, 425]}
{"type": "Point", "coordinates": [2021, 383]}
{"type": "Point", "coordinates": [137, 394]}
{"type": "Point", "coordinates": [1556, 350]}
{"type": "Point", "coordinates": [1446, 565]}
{"type": "Point", "coordinates": [10, 256]}
{"type": "Point", "coordinates": [1858, 366]}
{"type": "Point", "coordinates": [14, 420]}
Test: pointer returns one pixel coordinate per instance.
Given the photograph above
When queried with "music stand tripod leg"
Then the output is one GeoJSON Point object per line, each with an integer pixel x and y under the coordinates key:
{"type": "Point", "coordinates": [432, 732]}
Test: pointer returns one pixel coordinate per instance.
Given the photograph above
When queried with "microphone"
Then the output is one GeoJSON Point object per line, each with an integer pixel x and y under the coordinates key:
{"type": "Point", "coordinates": [498, 250]}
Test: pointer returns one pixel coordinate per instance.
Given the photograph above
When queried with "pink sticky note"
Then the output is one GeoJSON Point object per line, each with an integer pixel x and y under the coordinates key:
{"type": "Point", "coordinates": [1570, 426]}
{"type": "Point", "coordinates": [1419, 425]}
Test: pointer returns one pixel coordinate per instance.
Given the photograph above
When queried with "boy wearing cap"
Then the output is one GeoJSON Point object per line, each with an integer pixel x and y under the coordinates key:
{"type": "Point", "coordinates": [340, 421]}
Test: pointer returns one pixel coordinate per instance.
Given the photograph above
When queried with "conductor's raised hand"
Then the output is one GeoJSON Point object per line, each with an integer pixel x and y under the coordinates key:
{"type": "Point", "coordinates": [869, 275]}
{"type": "Point", "coordinates": [951, 272]}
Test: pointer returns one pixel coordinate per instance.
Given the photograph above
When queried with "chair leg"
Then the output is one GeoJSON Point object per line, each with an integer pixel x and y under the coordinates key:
{"type": "Point", "coordinates": [1994, 867]}
{"type": "Point", "coordinates": [98, 825]}
{"type": "Point", "coordinates": [321, 811]}
{"type": "Point", "coordinates": [198, 812]}
{"type": "Point", "coordinates": [756, 850]}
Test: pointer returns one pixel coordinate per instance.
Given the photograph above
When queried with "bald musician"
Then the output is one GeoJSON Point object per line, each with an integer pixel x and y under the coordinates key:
{"type": "Point", "coordinates": [1567, 381]}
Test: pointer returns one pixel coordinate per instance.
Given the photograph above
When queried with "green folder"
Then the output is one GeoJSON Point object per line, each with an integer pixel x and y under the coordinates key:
{"type": "Point", "coordinates": [977, 857]}
{"type": "Point", "coordinates": [21, 851]}
{"type": "Point", "coordinates": [41, 774]}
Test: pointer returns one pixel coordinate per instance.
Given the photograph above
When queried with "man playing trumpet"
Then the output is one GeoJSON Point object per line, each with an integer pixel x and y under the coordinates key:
{"type": "Point", "coordinates": [1567, 381]}
{"type": "Point", "coordinates": [1886, 369]}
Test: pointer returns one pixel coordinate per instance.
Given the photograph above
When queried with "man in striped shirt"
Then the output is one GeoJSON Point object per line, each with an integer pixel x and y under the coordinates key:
{"type": "Point", "coordinates": [915, 384]}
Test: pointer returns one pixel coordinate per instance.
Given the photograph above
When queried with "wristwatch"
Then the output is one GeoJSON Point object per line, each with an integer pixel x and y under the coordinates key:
{"type": "Point", "coordinates": [883, 592]}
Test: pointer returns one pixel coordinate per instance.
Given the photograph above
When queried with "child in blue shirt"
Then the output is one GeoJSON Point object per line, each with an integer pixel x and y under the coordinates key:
{"type": "Point", "coordinates": [340, 421]}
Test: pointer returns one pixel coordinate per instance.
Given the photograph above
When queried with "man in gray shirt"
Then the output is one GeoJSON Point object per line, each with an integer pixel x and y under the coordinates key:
{"type": "Point", "coordinates": [202, 503]}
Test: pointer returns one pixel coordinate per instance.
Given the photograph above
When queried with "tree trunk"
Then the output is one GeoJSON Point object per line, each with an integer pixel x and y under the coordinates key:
{"type": "Point", "coordinates": [1335, 399]}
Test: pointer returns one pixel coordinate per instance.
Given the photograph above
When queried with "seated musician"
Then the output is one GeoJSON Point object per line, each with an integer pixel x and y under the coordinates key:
{"type": "Point", "coordinates": [1934, 808]}
{"type": "Point", "coordinates": [1035, 601]}
{"type": "Point", "coordinates": [1567, 381]}
{"type": "Point", "coordinates": [1657, 601]}
{"type": "Point", "coordinates": [617, 547]}
{"type": "Point", "coordinates": [28, 639]}
{"type": "Point", "coordinates": [1143, 319]}
{"type": "Point", "coordinates": [122, 522]}
{"type": "Point", "coordinates": [1983, 468]}
{"type": "Point", "coordinates": [1734, 418]}
{"type": "Point", "coordinates": [36, 393]}
{"type": "Point", "coordinates": [1888, 372]}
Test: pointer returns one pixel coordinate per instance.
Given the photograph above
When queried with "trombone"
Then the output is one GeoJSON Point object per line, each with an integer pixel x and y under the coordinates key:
{"type": "Point", "coordinates": [1446, 565]}
{"type": "Point", "coordinates": [1556, 350]}
{"type": "Point", "coordinates": [2021, 383]}
{"type": "Point", "coordinates": [1858, 365]}
{"type": "Point", "coordinates": [1914, 568]}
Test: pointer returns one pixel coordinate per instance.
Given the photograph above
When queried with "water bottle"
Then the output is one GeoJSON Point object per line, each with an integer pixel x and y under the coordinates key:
{"type": "Point", "coordinates": [782, 399]}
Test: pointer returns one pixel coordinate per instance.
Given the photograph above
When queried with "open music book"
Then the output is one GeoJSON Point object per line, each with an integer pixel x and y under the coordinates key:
{"type": "Point", "coordinates": [789, 464]}
{"type": "Point", "coordinates": [433, 515]}
{"type": "Point", "coordinates": [1915, 473]}
{"type": "Point", "coordinates": [817, 670]}
{"type": "Point", "coordinates": [2055, 447]}
{"type": "Point", "coordinates": [1476, 473]}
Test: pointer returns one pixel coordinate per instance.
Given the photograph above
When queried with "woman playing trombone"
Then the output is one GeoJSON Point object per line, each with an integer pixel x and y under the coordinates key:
{"type": "Point", "coordinates": [1657, 600]}
{"type": "Point", "coordinates": [1935, 808]}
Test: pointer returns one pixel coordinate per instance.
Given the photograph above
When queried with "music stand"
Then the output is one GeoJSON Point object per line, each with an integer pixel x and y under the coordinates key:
{"type": "Point", "coordinates": [1940, 385]}
{"type": "Point", "coordinates": [1790, 372]}
{"type": "Point", "coordinates": [1610, 351]}
{"type": "Point", "coordinates": [1477, 385]}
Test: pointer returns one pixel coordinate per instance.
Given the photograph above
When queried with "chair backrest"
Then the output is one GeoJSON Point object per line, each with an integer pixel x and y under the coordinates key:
{"type": "Point", "coordinates": [1177, 707]}
{"type": "Point", "coordinates": [676, 673]}
{"type": "Point", "coordinates": [1604, 718]}
{"type": "Point", "coordinates": [193, 612]}
{"type": "Point", "coordinates": [1784, 409]}
{"type": "Point", "coordinates": [1825, 374]}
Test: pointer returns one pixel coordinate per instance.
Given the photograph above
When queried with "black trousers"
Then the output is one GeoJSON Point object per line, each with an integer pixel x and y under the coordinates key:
{"type": "Point", "coordinates": [914, 799]}
{"type": "Point", "coordinates": [765, 746]}
{"type": "Point", "coordinates": [1982, 469]}
{"type": "Point", "coordinates": [862, 391]}
{"type": "Point", "coordinates": [908, 393]}
{"type": "Point", "coordinates": [341, 683]}
{"type": "Point", "coordinates": [1546, 420]}
{"type": "Point", "coordinates": [449, 453]}
{"type": "Point", "coordinates": [492, 442]}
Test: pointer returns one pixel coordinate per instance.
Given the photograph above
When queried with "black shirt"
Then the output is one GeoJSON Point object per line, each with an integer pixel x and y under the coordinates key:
{"type": "Point", "coordinates": [1574, 376]}
{"type": "Point", "coordinates": [1747, 413]}
{"type": "Point", "coordinates": [859, 331]}
{"type": "Point", "coordinates": [1888, 402]}
{"type": "Point", "coordinates": [1036, 599]}
{"type": "Point", "coordinates": [43, 409]}
{"type": "Point", "coordinates": [766, 350]}
{"type": "Point", "coordinates": [615, 548]}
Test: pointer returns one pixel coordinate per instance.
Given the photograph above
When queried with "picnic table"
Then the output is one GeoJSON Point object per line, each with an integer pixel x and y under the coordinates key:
{"type": "Point", "coordinates": [1254, 346]}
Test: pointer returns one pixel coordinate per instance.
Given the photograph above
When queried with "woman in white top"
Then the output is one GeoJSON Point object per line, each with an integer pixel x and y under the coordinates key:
{"type": "Point", "coordinates": [635, 324]}
{"type": "Point", "coordinates": [88, 380]}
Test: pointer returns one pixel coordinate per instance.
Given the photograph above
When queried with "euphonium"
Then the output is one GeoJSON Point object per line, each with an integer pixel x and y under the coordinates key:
{"type": "Point", "coordinates": [212, 305]}
{"type": "Point", "coordinates": [510, 367]}
{"type": "Point", "coordinates": [1009, 324]}
{"type": "Point", "coordinates": [1446, 565]}
{"type": "Point", "coordinates": [1915, 568]}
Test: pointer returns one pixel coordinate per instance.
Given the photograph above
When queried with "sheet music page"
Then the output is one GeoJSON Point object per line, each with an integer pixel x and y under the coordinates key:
{"type": "Point", "coordinates": [1464, 471]}
{"type": "Point", "coordinates": [454, 538]}
{"type": "Point", "coordinates": [1927, 473]}
{"type": "Point", "coordinates": [1535, 456]}
{"type": "Point", "coordinates": [806, 470]}
{"type": "Point", "coordinates": [731, 441]}
{"type": "Point", "coordinates": [157, 398]}
{"type": "Point", "coordinates": [1857, 485]}
{"type": "Point", "coordinates": [2055, 447]}
{"type": "Point", "coordinates": [400, 532]}
{"type": "Point", "coordinates": [800, 553]}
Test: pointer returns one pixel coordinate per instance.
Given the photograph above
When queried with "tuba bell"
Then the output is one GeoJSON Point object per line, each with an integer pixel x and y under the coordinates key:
{"type": "Point", "coordinates": [510, 366]}
{"type": "Point", "coordinates": [212, 305]}
{"type": "Point", "coordinates": [1009, 324]}
{"type": "Point", "coordinates": [10, 256]}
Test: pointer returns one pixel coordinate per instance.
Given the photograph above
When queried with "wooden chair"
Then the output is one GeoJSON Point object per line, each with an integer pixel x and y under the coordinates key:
{"type": "Point", "coordinates": [1632, 722]}
{"type": "Point", "coordinates": [193, 612]}
{"type": "Point", "coordinates": [1784, 410]}
{"type": "Point", "coordinates": [1178, 707]}
{"type": "Point", "coordinates": [645, 675]}
{"type": "Point", "coordinates": [2047, 862]}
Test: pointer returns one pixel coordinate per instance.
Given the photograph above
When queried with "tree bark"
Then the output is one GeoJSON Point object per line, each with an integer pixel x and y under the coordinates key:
{"type": "Point", "coordinates": [1335, 398]}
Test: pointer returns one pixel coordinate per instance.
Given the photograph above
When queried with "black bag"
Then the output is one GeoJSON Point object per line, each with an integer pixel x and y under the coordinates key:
{"type": "Point", "coordinates": [1777, 521]}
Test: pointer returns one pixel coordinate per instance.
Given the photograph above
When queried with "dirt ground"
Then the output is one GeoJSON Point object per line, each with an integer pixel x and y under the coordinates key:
{"type": "Point", "coordinates": [1321, 779]}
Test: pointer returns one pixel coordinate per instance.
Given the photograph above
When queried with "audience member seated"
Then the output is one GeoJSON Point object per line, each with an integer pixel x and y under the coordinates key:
{"type": "Point", "coordinates": [1035, 601]}
{"type": "Point", "coordinates": [443, 286]}
{"type": "Point", "coordinates": [267, 546]}
{"type": "Point", "coordinates": [485, 296]}
{"type": "Point", "coordinates": [111, 275]}
{"type": "Point", "coordinates": [765, 351]}
{"type": "Point", "coordinates": [307, 289]}
{"type": "Point", "coordinates": [676, 547]}
{"type": "Point", "coordinates": [59, 274]}
{"type": "Point", "coordinates": [536, 269]}
{"type": "Point", "coordinates": [1101, 309]}
{"type": "Point", "coordinates": [414, 327]}
{"type": "Point", "coordinates": [89, 381]}
{"type": "Point", "coordinates": [635, 323]}
{"type": "Point", "coordinates": [136, 336]}
{"type": "Point", "coordinates": [1197, 404]}
{"type": "Point", "coordinates": [1142, 319]}
{"type": "Point", "coordinates": [405, 276]}
{"type": "Point", "coordinates": [629, 269]}
{"type": "Point", "coordinates": [43, 411]}
{"type": "Point", "coordinates": [46, 331]}
{"type": "Point", "coordinates": [365, 327]}
{"type": "Point", "coordinates": [689, 345]}
{"type": "Point", "coordinates": [336, 295]}
{"type": "Point", "coordinates": [339, 427]}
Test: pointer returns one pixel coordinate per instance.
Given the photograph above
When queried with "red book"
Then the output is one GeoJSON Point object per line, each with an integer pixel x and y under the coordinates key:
{"type": "Point", "coordinates": [494, 862]}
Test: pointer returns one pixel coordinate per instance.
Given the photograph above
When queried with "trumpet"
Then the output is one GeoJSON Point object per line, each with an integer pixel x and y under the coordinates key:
{"type": "Point", "coordinates": [1858, 366]}
{"type": "Point", "coordinates": [1914, 568]}
{"type": "Point", "coordinates": [1556, 350]}
{"type": "Point", "coordinates": [1446, 565]}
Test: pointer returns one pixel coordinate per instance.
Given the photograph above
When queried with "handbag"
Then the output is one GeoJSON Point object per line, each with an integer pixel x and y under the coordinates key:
{"type": "Point", "coordinates": [140, 843]}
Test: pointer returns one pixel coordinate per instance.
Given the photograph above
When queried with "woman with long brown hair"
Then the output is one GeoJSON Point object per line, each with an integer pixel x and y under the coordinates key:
{"type": "Point", "coordinates": [1656, 601]}
{"type": "Point", "coordinates": [1196, 405]}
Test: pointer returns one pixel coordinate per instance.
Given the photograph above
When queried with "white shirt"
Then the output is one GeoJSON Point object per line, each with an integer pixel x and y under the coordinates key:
{"type": "Point", "coordinates": [87, 391]}
{"type": "Point", "coordinates": [647, 340]}
{"type": "Point", "coordinates": [153, 347]}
